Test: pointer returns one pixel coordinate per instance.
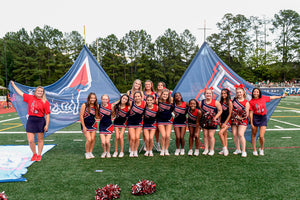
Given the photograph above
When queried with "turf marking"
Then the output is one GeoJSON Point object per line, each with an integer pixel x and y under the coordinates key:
{"type": "Point", "coordinates": [279, 127]}
{"type": "Point", "coordinates": [286, 137]}
{"type": "Point", "coordinates": [78, 140]}
{"type": "Point", "coordinates": [276, 120]}
{"type": "Point", "coordinates": [6, 120]}
{"type": "Point", "coordinates": [49, 140]}
{"type": "Point", "coordinates": [287, 108]}
{"type": "Point", "coordinates": [20, 140]}
{"type": "Point", "coordinates": [11, 127]}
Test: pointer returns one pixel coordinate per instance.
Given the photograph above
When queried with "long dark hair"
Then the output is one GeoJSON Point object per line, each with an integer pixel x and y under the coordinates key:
{"type": "Point", "coordinates": [197, 104]}
{"type": "Point", "coordinates": [259, 92]}
{"type": "Point", "coordinates": [149, 96]}
{"type": "Point", "coordinates": [228, 96]}
{"type": "Point", "coordinates": [180, 96]}
{"type": "Point", "coordinates": [117, 107]}
{"type": "Point", "coordinates": [89, 105]}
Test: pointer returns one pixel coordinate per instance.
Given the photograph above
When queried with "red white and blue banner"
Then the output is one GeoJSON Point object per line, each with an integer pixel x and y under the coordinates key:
{"type": "Point", "coordinates": [68, 94]}
{"type": "Point", "coordinates": [208, 70]}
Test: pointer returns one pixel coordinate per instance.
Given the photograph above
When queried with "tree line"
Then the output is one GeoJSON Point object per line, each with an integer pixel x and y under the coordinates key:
{"type": "Point", "coordinates": [257, 49]}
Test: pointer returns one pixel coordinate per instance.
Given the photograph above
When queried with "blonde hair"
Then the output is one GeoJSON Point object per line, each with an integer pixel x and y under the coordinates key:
{"type": "Point", "coordinates": [169, 96]}
{"type": "Point", "coordinates": [44, 99]}
{"type": "Point", "coordinates": [141, 87]}
{"type": "Point", "coordinates": [244, 95]}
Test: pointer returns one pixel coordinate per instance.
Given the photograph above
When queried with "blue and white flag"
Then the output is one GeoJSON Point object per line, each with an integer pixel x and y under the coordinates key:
{"type": "Point", "coordinates": [68, 94]}
{"type": "Point", "coordinates": [208, 70]}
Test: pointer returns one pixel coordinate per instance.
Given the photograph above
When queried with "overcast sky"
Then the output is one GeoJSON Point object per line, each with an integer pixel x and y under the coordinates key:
{"type": "Point", "coordinates": [102, 18]}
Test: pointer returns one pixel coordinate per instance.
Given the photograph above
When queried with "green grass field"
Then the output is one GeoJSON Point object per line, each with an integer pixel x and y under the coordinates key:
{"type": "Point", "coordinates": [65, 174]}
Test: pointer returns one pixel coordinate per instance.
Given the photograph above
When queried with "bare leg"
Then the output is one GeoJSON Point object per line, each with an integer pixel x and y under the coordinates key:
{"type": "Point", "coordinates": [40, 137]}
{"type": "Point", "coordinates": [30, 137]}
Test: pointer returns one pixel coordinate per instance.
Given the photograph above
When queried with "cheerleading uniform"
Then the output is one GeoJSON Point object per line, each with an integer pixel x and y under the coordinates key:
{"type": "Point", "coordinates": [150, 118]}
{"type": "Point", "coordinates": [37, 109]}
{"type": "Point", "coordinates": [89, 119]}
{"type": "Point", "coordinates": [164, 116]}
{"type": "Point", "coordinates": [152, 94]}
{"type": "Point", "coordinates": [208, 108]}
{"type": "Point", "coordinates": [135, 118]}
{"type": "Point", "coordinates": [105, 124]}
{"type": "Point", "coordinates": [258, 106]}
{"type": "Point", "coordinates": [240, 106]}
{"type": "Point", "coordinates": [225, 113]}
{"type": "Point", "coordinates": [192, 117]}
{"type": "Point", "coordinates": [130, 96]}
{"type": "Point", "coordinates": [121, 117]}
{"type": "Point", "coordinates": [180, 115]}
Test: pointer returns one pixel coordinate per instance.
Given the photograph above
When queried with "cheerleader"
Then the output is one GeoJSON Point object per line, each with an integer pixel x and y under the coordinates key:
{"type": "Point", "coordinates": [225, 120]}
{"type": "Point", "coordinates": [179, 123]}
{"type": "Point", "coordinates": [150, 125]}
{"type": "Point", "coordinates": [211, 111]}
{"type": "Point", "coordinates": [136, 86]}
{"type": "Point", "coordinates": [165, 120]}
{"type": "Point", "coordinates": [88, 112]}
{"type": "Point", "coordinates": [148, 90]}
{"type": "Point", "coordinates": [120, 110]}
{"type": "Point", "coordinates": [135, 122]}
{"type": "Point", "coordinates": [239, 120]}
{"type": "Point", "coordinates": [105, 125]}
{"type": "Point", "coordinates": [258, 118]}
{"type": "Point", "coordinates": [194, 115]}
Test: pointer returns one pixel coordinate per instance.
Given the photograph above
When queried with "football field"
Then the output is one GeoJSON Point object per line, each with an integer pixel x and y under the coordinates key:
{"type": "Point", "coordinates": [64, 173]}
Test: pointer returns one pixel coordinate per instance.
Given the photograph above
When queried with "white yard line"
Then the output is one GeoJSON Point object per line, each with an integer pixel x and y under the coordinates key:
{"type": "Point", "coordinates": [6, 120]}
{"type": "Point", "coordinates": [276, 120]}
{"type": "Point", "coordinates": [279, 127]}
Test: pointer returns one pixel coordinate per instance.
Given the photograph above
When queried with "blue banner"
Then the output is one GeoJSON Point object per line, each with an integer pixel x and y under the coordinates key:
{"type": "Point", "coordinates": [208, 70]}
{"type": "Point", "coordinates": [68, 94]}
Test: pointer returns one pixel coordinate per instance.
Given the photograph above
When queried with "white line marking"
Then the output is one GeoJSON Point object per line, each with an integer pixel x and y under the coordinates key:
{"type": "Point", "coordinates": [279, 127]}
{"type": "Point", "coordinates": [20, 140]}
{"type": "Point", "coordinates": [48, 140]}
{"type": "Point", "coordinates": [276, 120]}
{"type": "Point", "coordinates": [77, 140]}
{"type": "Point", "coordinates": [286, 137]}
{"type": "Point", "coordinates": [6, 120]}
{"type": "Point", "coordinates": [229, 138]}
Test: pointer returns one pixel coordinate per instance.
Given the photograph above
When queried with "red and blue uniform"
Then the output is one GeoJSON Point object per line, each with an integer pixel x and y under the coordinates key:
{"type": "Point", "coordinates": [152, 94]}
{"type": "Point", "coordinates": [225, 113]}
{"type": "Point", "coordinates": [240, 107]}
{"type": "Point", "coordinates": [89, 119]}
{"type": "Point", "coordinates": [192, 117]}
{"type": "Point", "coordinates": [135, 118]}
{"type": "Point", "coordinates": [121, 117]}
{"type": "Point", "coordinates": [105, 124]}
{"type": "Point", "coordinates": [259, 108]}
{"type": "Point", "coordinates": [164, 116]}
{"type": "Point", "coordinates": [150, 118]}
{"type": "Point", "coordinates": [208, 113]}
{"type": "Point", "coordinates": [180, 115]}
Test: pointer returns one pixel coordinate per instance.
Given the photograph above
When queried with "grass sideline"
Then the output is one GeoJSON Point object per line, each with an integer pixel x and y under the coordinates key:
{"type": "Point", "coordinates": [65, 174]}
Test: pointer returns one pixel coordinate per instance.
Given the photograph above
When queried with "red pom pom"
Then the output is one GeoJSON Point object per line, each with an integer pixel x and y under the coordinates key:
{"type": "Point", "coordinates": [108, 192]}
{"type": "Point", "coordinates": [3, 196]}
{"type": "Point", "coordinates": [143, 187]}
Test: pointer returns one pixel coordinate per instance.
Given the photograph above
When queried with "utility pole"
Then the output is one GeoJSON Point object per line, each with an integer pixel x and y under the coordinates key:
{"type": "Point", "coordinates": [204, 30]}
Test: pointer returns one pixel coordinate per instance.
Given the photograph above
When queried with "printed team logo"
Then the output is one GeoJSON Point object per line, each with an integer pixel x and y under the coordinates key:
{"type": "Point", "coordinates": [70, 94]}
{"type": "Point", "coordinates": [221, 78]}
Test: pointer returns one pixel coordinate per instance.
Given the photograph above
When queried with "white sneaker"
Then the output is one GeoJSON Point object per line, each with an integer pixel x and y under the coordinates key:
{"type": "Point", "coordinates": [162, 152]}
{"type": "Point", "coordinates": [121, 155]}
{"type": "Point", "coordinates": [158, 146]}
{"type": "Point", "coordinates": [150, 153]}
{"type": "Point", "coordinates": [177, 152]}
{"type": "Point", "coordinates": [167, 152]}
{"type": "Point", "coordinates": [135, 154]}
{"type": "Point", "coordinates": [226, 152]}
{"type": "Point", "coordinates": [147, 153]}
{"type": "Point", "coordinates": [108, 155]}
{"type": "Point", "coordinates": [261, 152]}
{"type": "Point", "coordinates": [131, 154]}
{"type": "Point", "coordinates": [255, 153]}
{"type": "Point", "coordinates": [145, 149]}
{"type": "Point", "coordinates": [236, 152]}
{"type": "Point", "coordinates": [205, 152]}
{"type": "Point", "coordinates": [211, 153]}
{"type": "Point", "coordinates": [87, 156]}
{"type": "Point", "coordinates": [190, 152]}
{"type": "Point", "coordinates": [196, 153]}
{"type": "Point", "coordinates": [103, 155]}
{"type": "Point", "coordinates": [221, 152]}
{"type": "Point", "coordinates": [91, 155]}
{"type": "Point", "coordinates": [115, 154]}
{"type": "Point", "coordinates": [182, 152]}
{"type": "Point", "coordinates": [244, 154]}
{"type": "Point", "coordinates": [129, 150]}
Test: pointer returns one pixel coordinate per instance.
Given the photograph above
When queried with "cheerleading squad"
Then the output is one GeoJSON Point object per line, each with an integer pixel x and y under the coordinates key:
{"type": "Point", "coordinates": [149, 112]}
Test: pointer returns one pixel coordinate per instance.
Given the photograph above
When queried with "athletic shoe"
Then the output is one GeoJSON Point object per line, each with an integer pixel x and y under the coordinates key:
{"type": "Point", "coordinates": [38, 158]}
{"type": "Point", "coordinates": [33, 158]}
{"type": "Point", "coordinates": [150, 153]}
{"type": "Point", "coordinates": [167, 152]}
{"type": "Point", "coordinates": [145, 149]}
{"type": "Point", "coordinates": [205, 152]}
{"type": "Point", "coordinates": [236, 152]}
{"type": "Point", "coordinates": [135, 154]}
{"type": "Point", "coordinates": [129, 150]}
{"type": "Point", "coordinates": [244, 154]}
{"type": "Point", "coordinates": [115, 154]}
{"type": "Point", "coordinates": [103, 155]}
{"type": "Point", "coordinates": [221, 152]}
{"type": "Point", "coordinates": [158, 146]}
{"type": "Point", "coordinates": [182, 152]}
{"type": "Point", "coordinates": [121, 155]}
{"type": "Point", "coordinates": [162, 153]}
{"type": "Point", "coordinates": [131, 154]}
{"type": "Point", "coordinates": [87, 156]}
{"type": "Point", "coordinates": [108, 155]}
{"type": "Point", "coordinates": [196, 153]}
{"type": "Point", "coordinates": [226, 152]}
{"type": "Point", "coordinates": [177, 152]}
{"type": "Point", "coordinates": [211, 153]}
{"type": "Point", "coordinates": [261, 152]}
{"type": "Point", "coordinates": [147, 153]}
{"type": "Point", "coordinates": [190, 152]}
{"type": "Point", "coordinates": [91, 155]}
{"type": "Point", "coordinates": [255, 153]}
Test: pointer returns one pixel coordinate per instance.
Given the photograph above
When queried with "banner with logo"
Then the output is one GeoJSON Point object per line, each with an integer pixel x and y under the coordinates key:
{"type": "Point", "coordinates": [208, 70]}
{"type": "Point", "coordinates": [68, 94]}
